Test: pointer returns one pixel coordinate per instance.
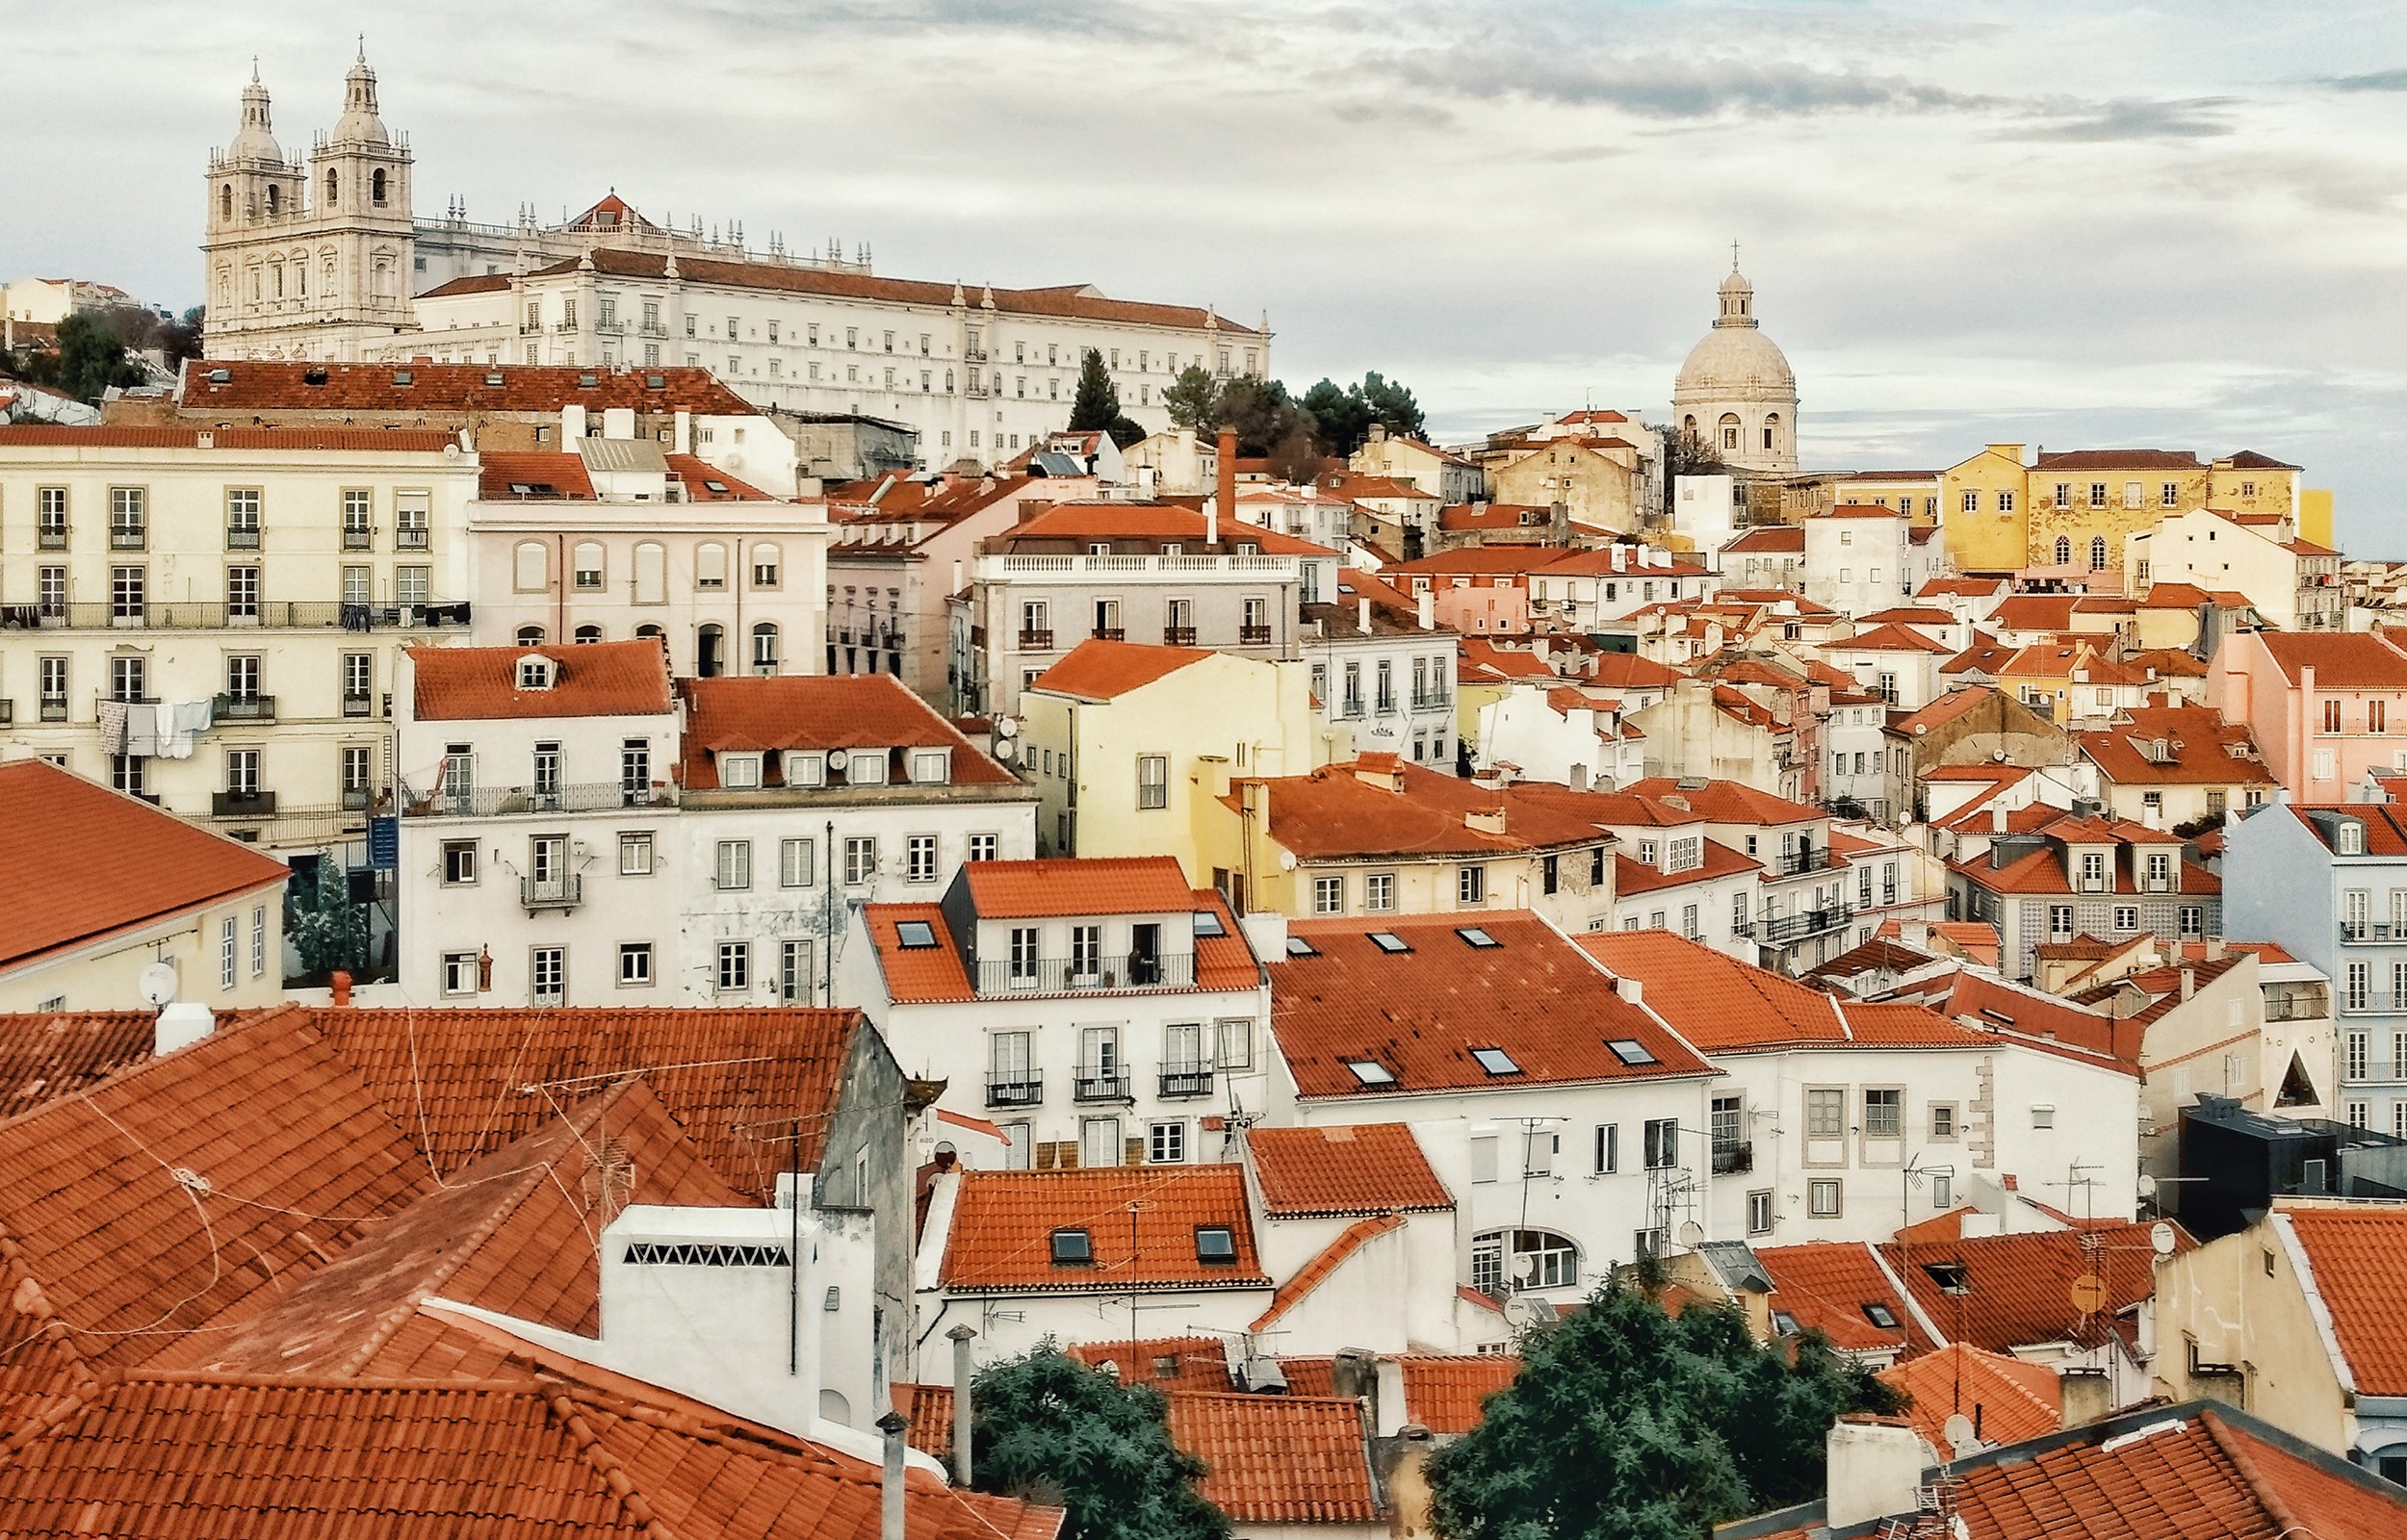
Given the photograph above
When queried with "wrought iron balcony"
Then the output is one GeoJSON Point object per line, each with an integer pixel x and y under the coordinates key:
{"type": "Point", "coordinates": [52, 538]}
{"type": "Point", "coordinates": [359, 540]}
{"type": "Point", "coordinates": [409, 538]}
{"type": "Point", "coordinates": [1024, 1089]}
{"type": "Point", "coordinates": [1038, 641]}
{"type": "Point", "coordinates": [1795, 863]}
{"type": "Point", "coordinates": [243, 537]}
{"type": "Point", "coordinates": [1733, 1158]}
{"type": "Point", "coordinates": [551, 892]}
{"type": "Point", "coordinates": [1253, 636]}
{"type": "Point", "coordinates": [242, 804]}
{"type": "Point", "coordinates": [129, 539]}
{"type": "Point", "coordinates": [1186, 1080]}
{"type": "Point", "coordinates": [359, 705]}
{"type": "Point", "coordinates": [104, 614]}
{"type": "Point", "coordinates": [1174, 970]}
{"type": "Point", "coordinates": [54, 709]}
{"type": "Point", "coordinates": [244, 708]}
{"type": "Point", "coordinates": [1177, 636]}
{"type": "Point", "coordinates": [1790, 928]}
{"type": "Point", "coordinates": [1109, 634]}
{"type": "Point", "coordinates": [1098, 1083]}
{"type": "Point", "coordinates": [502, 802]}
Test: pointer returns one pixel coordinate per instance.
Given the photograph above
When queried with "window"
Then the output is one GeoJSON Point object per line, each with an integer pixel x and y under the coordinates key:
{"type": "Point", "coordinates": [635, 964]}
{"type": "Point", "coordinates": [985, 847]}
{"type": "Point", "coordinates": [2127, 917]}
{"type": "Point", "coordinates": [2353, 1065]}
{"type": "Point", "coordinates": [634, 855]}
{"type": "Point", "coordinates": [1539, 1259]}
{"type": "Point", "coordinates": [1495, 1061]}
{"type": "Point", "coordinates": [1470, 885]}
{"type": "Point", "coordinates": [764, 653]}
{"type": "Point", "coordinates": [1166, 1144]}
{"type": "Point", "coordinates": [732, 869]}
{"type": "Point", "coordinates": [1822, 1198]}
{"type": "Point", "coordinates": [258, 940]}
{"type": "Point", "coordinates": [709, 565]}
{"type": "Point", "coordinates": [734, 966]}
{"type": "Point", "coordinates": [1608, 1150]}
{"type": "Point", "coordinates": [1329, 895]}
{"type": "Point", "coordinates": [1943, 1119]}
{"type": "Point", "coordinates": [1379, 893]}
{"type": "Point", "coordinates": [225, 953]}
{"type": "Point", "coordinates": [459, 862]}
{"type": "Point", "coordinates": [793, 972]}
{"type": "Point", "coordinates": [129, 518]}
{"type": "Point", "coordinates": [587, 565]}
{"type": "Point", "coordinates": [1153, 781]}
{"type": "Point", "coordinates": [860, 860]}
{"type": "Point", "coordinates": [1663, 1143]}
{"type": "Point", "coordinates": [547, 975]}
{"type": "Point", "coordinates": [2043, 1116]}
{"type": "Point", "coordinates": [920, 858]}
{"type": "Point", "coordinates": [2097, 552]}
{"type": "Point", "coordinates": [797, 864]}
{"type": "Point", "coordinates": [459, 973]}
{"type": "Point", "coordinates": [1884, 1114]}
{"type": "Point", "coordinates": [1826, 1113]}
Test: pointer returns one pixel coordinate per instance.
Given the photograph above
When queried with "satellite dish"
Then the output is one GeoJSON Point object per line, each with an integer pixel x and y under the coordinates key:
{"type": "Point", "coordinates": [2089, 1294]}
{"type": "Point", "coordinates": [2160, 1238]}
{"type": "Point", "coordinates": [1006, 750]}
{"type": "Point", "coordinates": [156, 983]}
{"type": "Point", "coordinates": [1691, 1233]}
{"type": "Point", "coordinates": [1528, 1310]}
{"type": "Point", "coordinates": [2147, 1185]}
{"type": "Point", "coordinates": [1525, 1268]}
{"type": "Point", "coordinates": [1287, 861]}
{"type": "Point", "coordinates": [450, 451]}
{"type": "Point", "coordinates": [1959, 1432]}
{"type": "Point", "coordinates": [1007, 726]}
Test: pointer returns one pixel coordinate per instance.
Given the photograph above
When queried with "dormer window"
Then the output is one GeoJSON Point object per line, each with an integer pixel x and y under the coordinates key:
{"type": "Point", "coordinates": [2349, 838]}
{"type": "Point", "coordinates": [866, 767]}
{"type": "Point", "coordinates": [930, 767]}
{"type": "Point", "coordinates": [806, 769]}
{"type": "Point", "coordinates": [535, 672]}
{"type": "Point", "coordinates": [740, 772]}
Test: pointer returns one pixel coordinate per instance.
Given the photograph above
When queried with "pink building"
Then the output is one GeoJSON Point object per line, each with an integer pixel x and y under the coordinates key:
{"type": "Point", "coordinates": [2326, 706]}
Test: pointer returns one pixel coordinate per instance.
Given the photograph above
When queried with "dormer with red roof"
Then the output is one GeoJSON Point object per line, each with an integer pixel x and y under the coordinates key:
{"type": "Point", "coordinates": [2085, 874]}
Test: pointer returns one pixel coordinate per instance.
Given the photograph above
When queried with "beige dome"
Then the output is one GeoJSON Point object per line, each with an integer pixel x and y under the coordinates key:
{"type": "Point", "coordinates": [253, 142]}
{"type": "Point", "coordinates": [1735, 361]}
{"type": "Point", "coordinates": [360, 122]}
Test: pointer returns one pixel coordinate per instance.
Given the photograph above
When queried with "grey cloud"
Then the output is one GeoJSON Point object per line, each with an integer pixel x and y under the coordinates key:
{"type": "Point", "coordinates": [1662, 87]}
{"type": "Point", "coordinates": [2380, 80]}
{"type": "Point", "coordinates": [2117, 121]}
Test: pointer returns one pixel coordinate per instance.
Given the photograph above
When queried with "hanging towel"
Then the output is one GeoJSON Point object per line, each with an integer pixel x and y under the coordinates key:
{"type": "Point", "coordinates": [142, 731]}
{"type": "Point", "coordinates": [112, 727]}
{"type": "Point", "coordinates": [181, 727]}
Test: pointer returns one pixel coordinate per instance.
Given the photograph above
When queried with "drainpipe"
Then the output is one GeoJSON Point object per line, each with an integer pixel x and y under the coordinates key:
{"type": "Point", "coordinates": [959, 1337]}
{"type": "Point", "coordinates": [890, 1480]}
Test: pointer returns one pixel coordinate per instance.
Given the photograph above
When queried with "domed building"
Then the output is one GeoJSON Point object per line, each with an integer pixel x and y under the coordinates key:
{"type": "Point", "coordinates": [1737, 392]}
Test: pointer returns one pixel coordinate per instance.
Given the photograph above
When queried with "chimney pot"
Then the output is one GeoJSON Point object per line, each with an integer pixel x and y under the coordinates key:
{"type": "Point", "coordinates": [959, 1337]}
{"type": "Point", "coordinates": [891, 1477]}
{"type": "Point", "coordinates": [1630, 990]}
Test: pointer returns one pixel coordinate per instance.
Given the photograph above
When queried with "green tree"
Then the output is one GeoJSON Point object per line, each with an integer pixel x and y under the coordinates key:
{"type": "Point", "coordinates": [332, 931]}
{"type": "Point", "coordinates": [91, 357]}
{"type": "Point", "coordinates": [1194, 399]}
{"type": "Point", "coordinates": [1627, 1422]}
{"type": "Point", "coordinates": [1344, 414]}
{"type": "Point", "coordinates": [1261, 414]}
{"type": "Point", "coordinates": [1047, 1428]}
{"type": "Point", "coordinates": [1097, 403]}
{"type": "Point", "coordinates": [1394, 405]}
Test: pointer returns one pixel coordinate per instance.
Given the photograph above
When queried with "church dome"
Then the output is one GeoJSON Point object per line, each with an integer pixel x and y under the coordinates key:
{"type": "Point", "coordinates": [1735, 361]}
{"type": "Point", "coordinates": [360, 122]}
{"type": "Point", "coordinates": [253, 142]}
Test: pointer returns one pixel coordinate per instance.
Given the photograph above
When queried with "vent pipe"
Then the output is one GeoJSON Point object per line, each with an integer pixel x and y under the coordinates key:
{"type": "Point", "coordinates": [889, 1525]}
{"type": "Point", "coordinates": [959, 1337]}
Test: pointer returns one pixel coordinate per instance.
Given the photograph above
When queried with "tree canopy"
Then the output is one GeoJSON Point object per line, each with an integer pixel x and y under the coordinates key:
{"type": "Point", "coordinates": [1627, 1422]}
{"type": "Point", "coordinates": [92, 355]}
{"type": "Point", "coordinates": [1343, 415]}
{"type": "Point", "coordinates": [1687, 452]}
{"type": "Point", "coordinates": [1047, 1428]}
{"type": "Point", "coordinates": [1095, 405]}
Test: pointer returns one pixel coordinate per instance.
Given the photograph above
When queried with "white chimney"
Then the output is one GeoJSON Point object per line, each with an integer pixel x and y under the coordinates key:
{"type": "Point", "coordinates": [681, 437]}
{"type": "Point", "coordinates": [1875, 1469]}
{"type": "Point", "coordinates": [572, 426]}
{"type": "Point", "coordinates": [181, 1024]}
{"type": "Point", "coordinates": [1266, 931]}
{"type": "Point", "coordinates": [1362, 616]}
{"type": "Point", "coordinates": [1630, 990]}
{"type": "Point", "coordinates": [1428, 610]}
{"type": "Point", "coordinates": [959, 1337]}
{"type": "Point", "coordinates": [1997, 819]}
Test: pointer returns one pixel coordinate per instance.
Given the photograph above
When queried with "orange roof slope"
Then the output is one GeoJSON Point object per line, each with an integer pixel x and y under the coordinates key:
{"type": "Point", "coordinates": [79, 861]}
{"type": "Point", "coordinates": [1141, 1224]}
{"type": "Point", "coordinates": [1826, 1286]}
{"type": "Point", "coordinates": [818, 711]}
{"type": "Point", "coordinates": [1334, 811]}
{"type": "Point", "coordinates": [2355, 1253]}
{"type": "Point", "coordinates": [1279, 1459]}
{"type": "Point", "coordinates": [456, 1079]}
{"type": "Point", "coordinates": [1166, 1363]}
{"type": "Point", "coordinates": [1447, 1392]}
{"type": "Point", "coordinates": [47, 1055]}
{"type": "Point", "coordinates": [229, 440]}
{"type": "Point", "coordinates": [1722, 1005]}
{"type": "Point", "coordinates": [1419, 1014]}
{"type": "Point", "coordinates": [261, 385]}
{"type": "Point", "coordinates": [2018, 1288]}
{"type": "Point", "coordinates": [1040, 889]}
{"type": "Point", "coordinates": [2008, 1399]}
{"type": "Point", "coordinates": [1350, 1169]}
{"type": "Point", "coordinates": [593, 678]}
{"type": "Point", "coordinates": [1100, 670]}
{"type": "Point", "coordinates": [2341, 660]}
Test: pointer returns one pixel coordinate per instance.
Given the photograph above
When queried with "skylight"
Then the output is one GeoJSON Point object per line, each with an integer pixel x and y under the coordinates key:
{"type": "Point", "coordinates": [655, 382]}
{"type": "Point", "coordinates": [1783, 1324]}
{"type": "Point", "coordinates": [1298, 946]}
{"type": "Point", "coordinates": [1495, 1061]}
{"type": "Point", "coordinates": [1390, 941]}
{"type": "Point", "coordinates": [1215, 1243]}
{"type": "Point", "coordinates": [715, 486]}
{"type": "Point", "coordinates": [494, 378]}
{"type": "Point", "coordinates": [1879, 1315]}
{"type": "Point", "coordinates": [1073, 1248]}
{"type": "Point", "coordinates": [914, 935]}
{"type": "Point", "coordinates": [1476, 936]}
{"type": "Point", "coordinates": [1631, 1051]}
{"type": "Point", "coordinates": [1207, 923]}
{"type": "Point", "coordinates": [1370, 1073]}
{"type": "Point", "coordinates": [402, 376]}
{"type": "Point", "coordinates": [1950, 1276]}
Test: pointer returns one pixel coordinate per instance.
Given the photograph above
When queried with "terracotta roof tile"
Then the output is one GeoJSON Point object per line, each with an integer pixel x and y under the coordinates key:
{"type": "Point", "coordinates": [820, 712]}
{"type": "Point", "coordinates": [1080, 522]}
{"type": "Point", "coordinates": [594, 679]}
{"type": "Point", "coordinates": [103, 862]}
{"type": "Point", "coordinates": [1727, 802]}
{"type": "Point", "coordinates": [1279, 1460]}
{"type": "Point", "coordinates": [1448, 1392]}
{"type": "Point", "coordinates": [1364, 808]}
{"type": "Point", "coordinates": [1141, 1224]}
{"type": "Point", "coordinates": [1166, 1363]}
{"type": "Point", "coordinates": [1825, 1286]}
{"type": "Point", "coordinates": [1776, 538]}
{"type": "Point", "coordinates": [1418, 1015]}
{"type": "Point", "coordinates": [1040, 890]}
{"type": "Point", "coordinates": [2355, 1253]}
{"type": "Point", "coordinates": [1100, 670]}
{"type": "Point", "coordinates": [230, 440]}
{"type": "Point", "coordinates": [1722, 1005]}
{"type": "Point", "coordinates": [926, 975]}
{"type": "Point", "coordinates": [502, 477]}
{"type": "Point", "coordinates": [1323, 1264]}
{"type": "Point", "coordinates": [2341, 660]}
{"type": "Point", "coordinates": [2009, 1400]}
{"type": "Point", "coordinates": [2117, 460]}
{"type": "Point", "coordinates": [2017, 1289]}
{"type": "Point", "coordinates": [262, 385]}
{"type": "Point", "coordinates": [1343, 1169]}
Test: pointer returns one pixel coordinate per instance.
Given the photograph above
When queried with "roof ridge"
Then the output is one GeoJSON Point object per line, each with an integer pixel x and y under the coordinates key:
{"type": "Point", "coordinates": [607, 1465]}
{"type": "Point", "coordinates": [2226, 1440]}
{"type": "Point", "coordinates": [55, 1415]}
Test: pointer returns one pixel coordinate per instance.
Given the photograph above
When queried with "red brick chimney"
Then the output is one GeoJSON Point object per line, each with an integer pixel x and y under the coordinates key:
{"type": "Point", "coordinates": [1225, 501]}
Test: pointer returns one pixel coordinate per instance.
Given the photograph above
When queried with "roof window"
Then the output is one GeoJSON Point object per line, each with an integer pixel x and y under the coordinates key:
{"type": "Point", "coordinates": [715, 486]}
{"type": "Point", "coordinates": [1215, 1243]}
{"type": "Point", "coordinates": [1950, 1276]}
{"type": "Point", "coordinates": [1390, 941]}
{"type": "Point", "coordinates": [586, 380]}
{"type": "Point", "coordinates": [1207, 923]}
{"type": "Point", "coordinates": [656, 382]}
{"type": "Point", "coordinates": [1784, 1325]}
{"type": "Point", "coordinates": [313, 376]}
{"type": "Point", "coordinates": [1298, 946]}
{"type": "Point", "coordinates": [913, 936]}
{"type": "Point", "coordinates": [493, 377]}
{"type": "Point", "coordinates": [1370, 1073]}
{"type": "Point", "coordinates": [403, 377]}
{"type": "Point", "coordinates": [534, 672]}
{"type": "Point", "coordinates": [1879, 1315]}
{"type": "Point", "coordinates": [1631, 1051]}
{"type": "Point", "coordinates": [1495, 1061]}
{"type": "Point", "coordinates": [1073, 1248]}
{"type": "Point", "coordinates": [533, 489]}
{"type": "Point", "coordinates": [222, 377]}
{"type": "Point", "coordinates": [1476, 936]}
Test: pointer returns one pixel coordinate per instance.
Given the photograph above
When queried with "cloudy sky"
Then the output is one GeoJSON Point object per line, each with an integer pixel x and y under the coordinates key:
{"type": "Point", "coordinates": [2063, 223]}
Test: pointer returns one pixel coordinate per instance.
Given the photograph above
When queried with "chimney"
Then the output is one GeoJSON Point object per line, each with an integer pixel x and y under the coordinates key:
{"type": "Point", "coordinates": [890, 1513]}
{"type": "Point", "coordinates": [680, 436]}
{"type": "Point", "coordinates": [181, 1024]}
{"type": "Point", "coordinates": [1362, 616]}
{"type": "Point", "coordinates": [1916, 933]}
{"type": "Point", "coordinates": [2088, 1398]}
{"type": "Point", "coordinates": [1875, 1471]}
{"type": "Point", "coordinates": [1225, 496]}
{"type": "Point", "coordinates": [959, 1337]}
{"type": "Point", "coordinates": [341, 989]}
{"type": "Point", "coordinates": [1378, 433]}
{"type": "Point", "coordinates": [1997, 818]}
{"type": "Point", "coordinates": [1428, 610]}
{"type": "Point", "coordinates": [1630, 990]}
{"type": "Point", "coordinates": [2190, 983]}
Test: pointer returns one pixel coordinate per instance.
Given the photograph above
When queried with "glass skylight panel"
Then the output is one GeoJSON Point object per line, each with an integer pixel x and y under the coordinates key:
{"type": "Point", "coordinates": [914, 935]}
{"type": "Point", "coordinates": [1298, 946]}
{"type": "Point", "coordinates": [1631, 1051]}
{"type": "Point", "coordinates": [1370, 1073]}
{"type": "Point", "coordinates": [1207, 923]}
{"type": "Point", "coordinates": [1476, 936]}
{"type": "Point", "coordinates": [1495, 1061]}
{"type": "Point", "coordinates": [1390, 941]}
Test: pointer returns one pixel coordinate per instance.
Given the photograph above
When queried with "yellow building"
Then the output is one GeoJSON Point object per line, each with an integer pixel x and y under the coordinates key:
{"type": "Point", "coordinates": [1128, 744]}
{"type": "Point", "coordinates": [1601, 481]}
{"type": "Point", "coordinates": [2066, 515]}
{"type": "Point", "coordinates": [1984, 502]}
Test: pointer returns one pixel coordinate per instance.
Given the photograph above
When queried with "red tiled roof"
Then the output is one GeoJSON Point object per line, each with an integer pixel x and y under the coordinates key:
{"type": "Point", "coordinates": [1724, 1005]}
{"type": "Point", "coordinates": [1100, 670]}
{"type": "Point", "coordinates": [1279, 1459]}
{"type": "Point", "coordinates": [1777, 538]}
{"type": "Point", "coordinates": [1141, 1224]}
{"type": "Point", "coordinates": [592, 678]}
{"type": "Point", "coordinates": [1151, 521]}
{"type": "Point", "coordinates": [2341, 660]}
{"type": "Point", "coordinates": [2196, 737]}
{"type": "Point", "coordinates": [2117, 460]}
{"type": "Point", "coordinates": [1447, 1392]}
{"type": "Point", "coordinates": [818, 712]}
{"type": "Point", "coordinates": [1328, 1260]}
{"type": "Point", "coordinates": [2355, 1255]}
{"type": "Point", "coordinates": [456, 1079]}
{"type": "Point", "coordinates": [1419, 1013]}
{"type": "Point", "coordinates": [45, 1055]}
{"type": "Point", "coordinates": [1727, 802]}
{"type": "Point", "coordinates": [263, 385]}
{"type": "Point", "coordinates": [1509, 662]}
{"type": "Point", "coordinates": [2018, 1288]}
{"type": "Point", "coordinates": [1045, 889]}
{"type": "Point", "coordinates": [80, 863]}
{"type": "Point", "coordinates": [1890, 638]}
{"type": "Point", "coordinates": [1166, 1363]}
{"type": "Point", "coordinates": [930, 1409]}
{"type": "Point", "coordinates": [1719, 860]}
{"type": "Point", "coordinates": [1335, 812]}
{"type": "Point", "coordinates": [1824, 1286]}
{"type": "Point", "coordinates": [243, 440]}
{"type": "Point", "coordinates": [1344, 1169]}
{"type": "Point", "coordinates": [931, 975]}
{"type": "Point", "coordinates": [2009, 1400]}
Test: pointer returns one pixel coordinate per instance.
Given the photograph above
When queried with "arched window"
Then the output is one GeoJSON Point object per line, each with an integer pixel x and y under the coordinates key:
{"type": "Point", "coordinates": [2097, 554]}
{"type": "Point", "coordinates": [332, 199]}
{"type": "Point", "coordinates": [1689, 421]}
{"type": "Point", "coordinates": [1772, 431]}
{"type": "Point", "coordinates": [1729, 431]}
{"type": "Point", "coordinates": [275, 280]}
{"type": "Point", "coordinates": [530, 636]}
{"type": "Point", "coordinates": [948, 382]}
{"type": "Point", "coordinates": [589, 633]}
{"type": "Point", "coordinates": [376, 188]}
{"type": "Point", "coordinates": [709, 657]}
{"type": "Point", "coordinates": [651, 574]}
{"type": "Point", "coordinates": [1537, 1259]}
{"type": "Point", "coordinates": [276, 196]}
{"type": "Point", "coordinates": [709, 565]}
{"type": "Point", "coordinates": [226, 201]}
{"type": "Point", "coordinates": [2063, 550]}
{"type": "Point", "coordinates": [652, 633]}
{"type": "Point", "coordinates": [764, 649]}
{"type": "Point", "coordinates": [588, 564]}
{"type": "Point", "coordinates": [768, 567]}
{"type": "Point", "coordinates": [530, 567]}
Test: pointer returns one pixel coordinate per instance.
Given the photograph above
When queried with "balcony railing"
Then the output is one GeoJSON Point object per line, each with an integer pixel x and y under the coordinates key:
{"type": "Point", "coordinates": [409, 538]}
{"type": "Point", "coordinates": [1797, 927]}
{"type": "Point", "coordinates": [1732, 1158]}
{"type": "Point", "coordinates": [1794, 862]}
{"type": "Point", "coordinates": [973, 355]}
{"type": "Point", "coordinates": [2296, 1008]}
{"type": "Point", "coordinates": [53, 539]}
{"type": "Point", "coordinates": [244, 708]}
{"type": "Point", "coordinates": [7, 711]}
{"type": "Point", "coordinates": [358, 705]}
{"type": "Point", "coordinates": [128, 539]}
{"type": "Point", "coordinates": [1253, 636]}
{"type": "Point", "coordinates": [1019, 1088]}
{"type": "Point", "coordinates": [359, 540]}
{"type": "Point", "coordinates": [1109, 634]}
{"type": "Point", "coordinates": [54, 709]}
{"type": "Point", "coordinates": [502, 801]}
{"type": "Point", "coordinates": [1177, 636]}
{"type": "Point", "coordinates": [1098, 1083]}
{"type": "Point", "coordinates": [1186, 1080]}
{"type": "Point", "coordinates": [242, 804]}
{"type": "Point", "coordinates": [2372, 933]}
{"type": "Point", "coordinates": [1183, 568]}
{"type": "Point", "coordinates": [355, 799]}
{"type": "Point", "coordinates": [243, 537]}
{"type": "Point", "coordinates": [551, 892]}
{"type": "Point", "coordinates": [1036, 641]}
{"type": "Point", "coordinates": [208, 616]}
{"type": "Point", "coordinates": [1174, 970]}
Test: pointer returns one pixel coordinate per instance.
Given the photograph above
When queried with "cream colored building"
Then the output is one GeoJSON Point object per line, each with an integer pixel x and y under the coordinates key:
{"type": "Point", "coordinates": [2295, 584]}
{"type": "Point", "coordinates": [1735, 391]}
{"type": "Point", "coordinates": [210, 618]}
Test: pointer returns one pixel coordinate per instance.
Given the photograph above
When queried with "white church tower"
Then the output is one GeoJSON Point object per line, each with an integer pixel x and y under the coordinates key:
{"type": "Point", "coordinates": [315, 261]}
{"type": "Point", "coordinates": [1736, 391]}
